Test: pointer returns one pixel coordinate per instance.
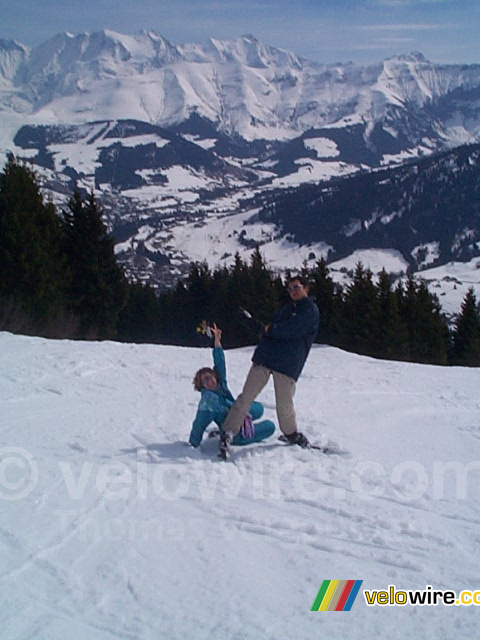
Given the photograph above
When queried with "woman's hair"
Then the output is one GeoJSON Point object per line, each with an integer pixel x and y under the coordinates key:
{"type": "Point", "coordinates": [197, 380]}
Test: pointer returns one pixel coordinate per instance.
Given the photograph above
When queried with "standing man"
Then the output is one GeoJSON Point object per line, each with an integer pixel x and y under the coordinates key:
{"type": "Point", "coordinates": [281, 353]}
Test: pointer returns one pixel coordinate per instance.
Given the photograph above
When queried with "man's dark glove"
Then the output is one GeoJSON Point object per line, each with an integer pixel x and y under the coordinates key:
{"type": "Point", "coordinates": [252, 323]}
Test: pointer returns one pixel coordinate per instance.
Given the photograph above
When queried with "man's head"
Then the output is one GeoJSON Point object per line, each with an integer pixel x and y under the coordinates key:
{"type": "Point", "coordinates": [298, 287]}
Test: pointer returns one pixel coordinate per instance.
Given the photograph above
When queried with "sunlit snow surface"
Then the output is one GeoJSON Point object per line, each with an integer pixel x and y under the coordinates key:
{"type": "Point", "coordinates": [103, 538]}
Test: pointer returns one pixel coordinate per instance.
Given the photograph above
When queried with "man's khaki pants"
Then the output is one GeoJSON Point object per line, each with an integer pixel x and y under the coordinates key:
{"type": "Point", "coordinates": [257, 378]}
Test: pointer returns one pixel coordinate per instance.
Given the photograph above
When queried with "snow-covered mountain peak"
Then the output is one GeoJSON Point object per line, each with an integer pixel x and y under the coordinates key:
{"type": "Point", "coordinates": [12, 56]}
{"type": "Point", "coordinates": [246, 86]}
{"type": "Point", "coordinates": [102, 47]}
{"type": "Point", "coordinates": [246, 51]}
{"type": "Point", "coordinates": [68, 65]}
{"type": "Point", "coordinates": [413, 56]}
{"type": "Point", "coordinates": [147, 46]}
{"type": "Point", "coordinates": [254, 53]}
{"type": "Point", "coordinates": [412, 79]}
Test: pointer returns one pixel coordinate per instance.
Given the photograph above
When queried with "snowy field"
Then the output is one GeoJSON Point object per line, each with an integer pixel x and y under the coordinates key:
{"type": "Point", "coordinates": [103, 538]}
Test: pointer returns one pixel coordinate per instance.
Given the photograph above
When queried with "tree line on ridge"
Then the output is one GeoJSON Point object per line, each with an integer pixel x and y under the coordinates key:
{"type": "Point", "coordinates": [59, 278]}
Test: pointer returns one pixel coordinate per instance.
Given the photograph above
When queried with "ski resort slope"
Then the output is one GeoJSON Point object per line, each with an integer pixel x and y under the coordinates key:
{"type": "Point", "coordinates": [101, 537]}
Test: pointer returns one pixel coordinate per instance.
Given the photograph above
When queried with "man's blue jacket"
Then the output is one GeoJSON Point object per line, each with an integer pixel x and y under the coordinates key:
{"type": "Point", "coordinates": [286, 343]}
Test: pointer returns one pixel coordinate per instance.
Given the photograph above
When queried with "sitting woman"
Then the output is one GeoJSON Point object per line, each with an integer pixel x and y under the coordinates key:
{"type": "Point", "coordinates": [217, 399]}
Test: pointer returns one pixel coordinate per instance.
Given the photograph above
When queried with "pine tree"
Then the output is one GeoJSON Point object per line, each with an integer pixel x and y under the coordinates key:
{"type": "Point", "coordinates": [178, 315]}
{"type": "Point", "coordinates": [98, 287]}
{"type": "Point", "coordinates": [359, 322]}
{"type": "Point", "coordinates": [31, 266]}
{"type": "Point", "coordinates": [139, 320]}
{"type": "Point", "coordinates": [199, 285]}
{"type": "Point", "coordinates": [322, 288]}
{"type": "Point", "coordinates": [239, 285]}
{"type": "Point", "coordinates": [262, 292]}
{"type": "Point", "coordinates": [466, 334]}
{"type": "Point", "coordinates": [428, 334]}
{"type": "Point", "coordinates": [239, 294]}
{"type": "Point", "coordinates": [224, 307]}
{"type": "Point", "coordinates": [392, 331]}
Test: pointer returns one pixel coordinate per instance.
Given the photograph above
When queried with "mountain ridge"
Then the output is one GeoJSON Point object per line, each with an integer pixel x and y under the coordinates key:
{"type": "Point", "coordinates": [244, 86]}
{"type": "Point", "coordinates": [428, 209]}
{"type": "Point", "coordinates": [185, 145]}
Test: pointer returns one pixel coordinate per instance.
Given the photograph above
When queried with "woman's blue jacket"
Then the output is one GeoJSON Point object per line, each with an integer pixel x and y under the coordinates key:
{"type": "Point", "coordinates": [213, 405]}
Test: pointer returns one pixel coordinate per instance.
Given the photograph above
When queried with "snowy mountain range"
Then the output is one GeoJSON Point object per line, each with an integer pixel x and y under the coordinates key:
{"type": "Point", "coordinates": [185, 144]}
{"type": "Point", "coordinates": [244, 86]}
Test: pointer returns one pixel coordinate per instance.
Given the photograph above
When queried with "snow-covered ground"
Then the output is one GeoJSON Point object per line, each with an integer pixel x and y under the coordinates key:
{"type": "Point", "coordinates": [449, 282]}
{"type": "Point", "coordinates": [102, 538]}
{"type": "Point", "coordinates": [452, 281]}
{"type": "Point", "coordinates": [374, 259]}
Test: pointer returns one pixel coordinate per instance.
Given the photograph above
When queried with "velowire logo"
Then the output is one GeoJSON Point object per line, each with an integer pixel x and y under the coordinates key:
{"type": "Point", "coordinates": [336, 595]}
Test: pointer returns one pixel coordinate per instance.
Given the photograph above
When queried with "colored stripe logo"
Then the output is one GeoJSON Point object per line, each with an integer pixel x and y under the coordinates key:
{"type": "Point", "coordinates": [336, 595]}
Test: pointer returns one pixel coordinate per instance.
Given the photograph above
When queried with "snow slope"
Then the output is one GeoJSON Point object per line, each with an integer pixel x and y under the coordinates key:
{"type": "Point", "coordinates": [101, 538]}
{"type": "Point", "coordinates": [452, 281]}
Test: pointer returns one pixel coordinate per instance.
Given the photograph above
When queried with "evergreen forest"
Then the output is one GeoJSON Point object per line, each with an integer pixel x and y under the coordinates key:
{"type": "Point", "coordinates": [59, 278]}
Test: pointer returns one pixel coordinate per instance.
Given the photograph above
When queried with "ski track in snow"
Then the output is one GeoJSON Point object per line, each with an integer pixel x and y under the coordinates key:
{"type": "Point", "coordinates": [122, 540]}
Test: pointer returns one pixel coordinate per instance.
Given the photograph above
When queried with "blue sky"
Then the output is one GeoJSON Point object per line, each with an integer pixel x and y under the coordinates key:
{"type": "Point", "coordinates": [362, 31]}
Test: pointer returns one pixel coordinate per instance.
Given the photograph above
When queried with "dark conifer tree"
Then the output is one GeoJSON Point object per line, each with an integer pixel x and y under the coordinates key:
{"type": "Point", "coordinates": [240, 294]}
{"type": "Point", "coordinates": [31, 264]}
{"type": "Point", "coordinates": [239, 285]}
{"type": "Point", "coordinates": [466, 334]}
{"type": "Point", "coordinates": [139, 320]}
{"type": "Point", "coordinates": [359, 322]}
{"type": "Point", "coordinates": [436, 333]}
{"type": "Point", "coordinates": [322, 288]}
{"type": "Point", "coordinates": [178, 316]}
{"type": "Point", "coordinates": [262, 292]}
{"type": "Point", "coordinates": [98, 287]}
{"type": "Point", "coordinates": [428, 334]}
{"type": "Point", "coordinates": [200, 289]}
{"type": "Point", "coordinates": [225, 303]}
{"type": "Point", "coordinates": [392, 330]}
